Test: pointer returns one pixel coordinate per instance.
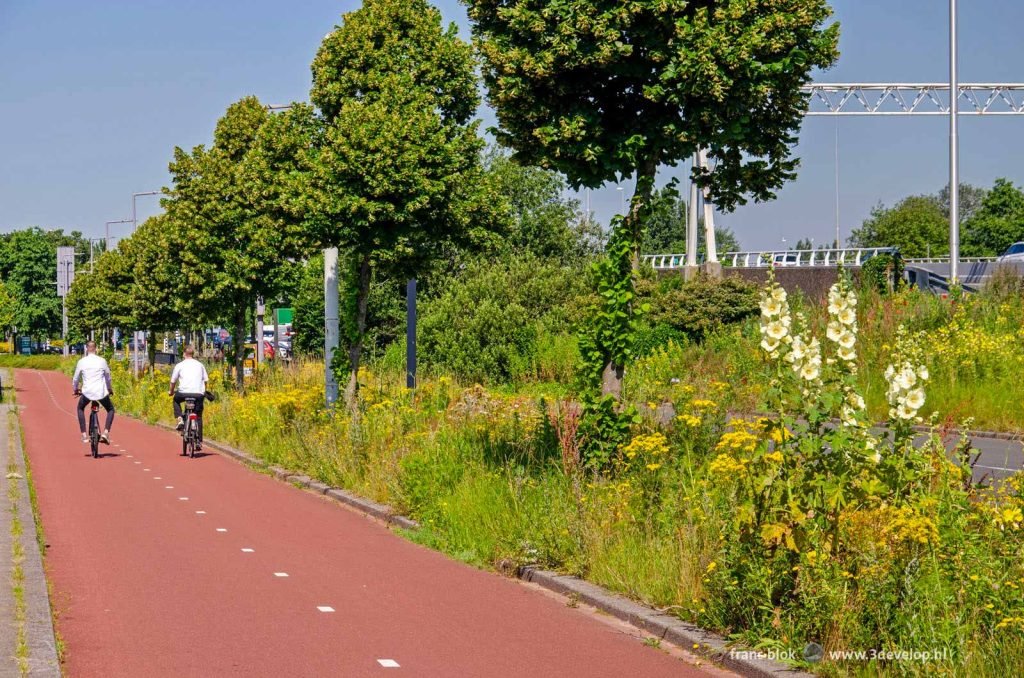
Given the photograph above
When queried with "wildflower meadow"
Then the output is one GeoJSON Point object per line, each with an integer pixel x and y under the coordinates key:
{"type": "Point", "coordinates": [820, 517]}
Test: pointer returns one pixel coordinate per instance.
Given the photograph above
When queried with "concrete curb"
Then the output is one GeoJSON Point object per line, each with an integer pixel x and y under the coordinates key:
{"type": "Point", "coordinates": [39, 629]}
{"type": "Point", "coordinates": [666, 627]}
{"type": "Point", "coordinates": [663, 626]}
{"type": "Point", "coordinates": [385, 514]}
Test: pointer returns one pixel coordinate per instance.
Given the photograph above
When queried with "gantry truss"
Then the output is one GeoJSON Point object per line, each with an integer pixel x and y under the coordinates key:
{"type": "Point", "coordinates": [913, 99]}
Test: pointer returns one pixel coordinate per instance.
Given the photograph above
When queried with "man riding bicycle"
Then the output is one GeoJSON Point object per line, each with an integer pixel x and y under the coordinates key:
{"type": "Point", "coordinates": [92, 383]}
{"type": "Point", "coordinates": [190, 377]}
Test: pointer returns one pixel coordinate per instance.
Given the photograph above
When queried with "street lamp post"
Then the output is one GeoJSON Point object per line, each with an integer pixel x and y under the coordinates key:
{"type": "Point", "coordinates": [119, 221]}
{"type": "Point", "coordinates": [135, 222]}
{"type": "Point", "coordinates": [135, 225]}
{"type": "Point", "coordinates": [954, 151]}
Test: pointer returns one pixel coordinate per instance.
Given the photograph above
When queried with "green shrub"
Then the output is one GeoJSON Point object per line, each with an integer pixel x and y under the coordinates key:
{"type": "Point", "coordinates": [696, 307]}
{"type": "Point", "coordinates": [882, 272]}
{"type": "Point", "coordinates": [490, 322]}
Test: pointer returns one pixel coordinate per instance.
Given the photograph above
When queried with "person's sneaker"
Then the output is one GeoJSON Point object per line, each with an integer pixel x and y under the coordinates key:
{"type": "Point", "coordinates": [180, 425]}
{"type": "Point", "coordinates": [105, 437]}
{"type": "Point", "coordinates": [85, 438]}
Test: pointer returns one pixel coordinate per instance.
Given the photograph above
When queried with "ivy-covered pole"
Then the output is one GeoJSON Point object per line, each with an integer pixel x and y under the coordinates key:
{"type": "Point", "coordinates": [604, 89]}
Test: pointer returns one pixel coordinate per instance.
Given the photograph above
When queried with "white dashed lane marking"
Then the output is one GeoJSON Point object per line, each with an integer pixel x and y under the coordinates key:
{"type": "Point", "coordinates": [201, 513]}
{"type": "Point", "coordinates": [280, 574]}
{"type": "Point", "coordinates": [325, 608]}
{"type": "Point", "coordinates": [182, 498]}
{"type": "Point", "coordinates": [222, 529]}
{"type": "Point", "coordinates": [248, 551]}
{"type": "Point", "coordinates": [157, 478]}
{"type": "Point", "coordinates": [168, 487]}
{"type": "Point", "coordinates": [388, 663]}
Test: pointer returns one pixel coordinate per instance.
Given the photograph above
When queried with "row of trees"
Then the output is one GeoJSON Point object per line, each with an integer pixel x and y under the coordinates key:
{"type": "Point", "coordinates": [991, 220]}
{"type": "Point", "coordinates": [387, 162]}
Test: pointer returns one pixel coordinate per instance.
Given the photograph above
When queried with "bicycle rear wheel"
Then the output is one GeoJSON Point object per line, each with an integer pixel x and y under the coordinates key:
{"type": "Point", "coordinates": [94, 435]}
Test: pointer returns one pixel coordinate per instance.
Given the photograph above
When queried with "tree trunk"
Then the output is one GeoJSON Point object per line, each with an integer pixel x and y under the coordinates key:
{"type": "Point", "coordinates": [238, 339]}
{"type": "Point", "coordinates": [151, 350]}
{"type": "Point", "coordinates": [355, 348]}
{"type": "Point", "coordinates": [612, 377]}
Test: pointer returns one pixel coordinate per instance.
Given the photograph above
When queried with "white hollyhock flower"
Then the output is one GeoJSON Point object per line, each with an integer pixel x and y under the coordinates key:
{"type": "Point", "coordinates": [771, 307]}
{"type": "Point", "coordinates": [847, 316]}
{"type": "Point", "coordinates": [835, 306]}
{"type": "Point", "coordinates": [848, 339]}
{"type": "Point", "coordinates": [915, 399]}
{"type": "Point", "coordinates": [834, 331]}
{"type": "Point", "coordinates": [810, 371]}
{"type": "Point", "coordinates": [889, 372]}
{"type": "Point", "coordinates": [855, 400]}
{"type": "Point", "coordinates": [907, 378]}
{"type": "Point", "coordinates": [905, 413]}
{"type": "Point", "coordinates": [922, 372]}
{"type": "Point", "coordinates": [776, 330]}
{"type": "Point", "coordinates": [769, 345]}
{"type": "Point", "coordinates": [847, 354]}
{"type": "Point", "coordinates": [779, 294]}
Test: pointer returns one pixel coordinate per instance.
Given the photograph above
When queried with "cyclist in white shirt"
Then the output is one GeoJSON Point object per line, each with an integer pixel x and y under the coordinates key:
{"type": "Point", "coordinates": [190, 377]}
{"type": "Point", "coordinates": [92, 382]}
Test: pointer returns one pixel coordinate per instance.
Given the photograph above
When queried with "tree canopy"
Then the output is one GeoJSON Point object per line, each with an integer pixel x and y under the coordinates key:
{"type": "Point", "coordinates": [997, 223]}
{"type": "Point", "coordinates": [602, 89]}
{"type": "Point", "coordinates": [916, 225]}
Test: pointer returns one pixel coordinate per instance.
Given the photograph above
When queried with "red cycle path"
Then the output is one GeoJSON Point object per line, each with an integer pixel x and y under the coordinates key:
{"type": "Point", "coordinates": [143, 585]}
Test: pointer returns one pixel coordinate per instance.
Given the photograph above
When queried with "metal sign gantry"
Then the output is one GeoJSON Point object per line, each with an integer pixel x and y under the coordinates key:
{"type": "Point", "coordinates": [913, 99]}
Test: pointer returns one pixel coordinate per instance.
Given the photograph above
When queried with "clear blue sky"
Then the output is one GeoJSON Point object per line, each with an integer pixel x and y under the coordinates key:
{"type": "Point", "coordinates": [95, 95]}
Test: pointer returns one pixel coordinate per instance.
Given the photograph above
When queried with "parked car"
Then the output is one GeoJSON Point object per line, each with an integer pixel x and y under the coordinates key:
{"type": "Point", "coordinates": [1014, 252]}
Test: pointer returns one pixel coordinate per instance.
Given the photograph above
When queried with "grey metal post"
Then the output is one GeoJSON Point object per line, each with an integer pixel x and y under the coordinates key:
{"type": "Point", "coordinates": [709, 215]}
{"type": "Point", "coordinates": [837, 183]}
{"type": "Point", "coordinates": [954, 151]}
{"type": "Point", "coordinates": [64, 323]}
{"type": "Point", "coordinates": [410, 334]}
{"type": "Point", "coordinates": [260, 311]}
{"type": "Point", "coordinates": [330, 322]}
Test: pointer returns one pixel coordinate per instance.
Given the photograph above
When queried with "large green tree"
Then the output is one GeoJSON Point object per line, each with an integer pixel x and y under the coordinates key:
{"type": "Point", "coordinates": [916, 225]}
{"type": "Point", "coordinates": [28, 265]}
{"type": "Point", "coordinates": [394, 175]}
{"type": "Point", "coordinates": [997, 223]}
{"type": "Point", "coordinates": [230, 251]}
{"type": "Point", "coordinates": [605, 89]}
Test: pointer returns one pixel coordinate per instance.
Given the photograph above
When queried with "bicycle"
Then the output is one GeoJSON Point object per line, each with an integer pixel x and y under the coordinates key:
{"type": "Point", "coordinates": [190, 433]}
{"type": "Point", "coordinates": [94, 428]}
